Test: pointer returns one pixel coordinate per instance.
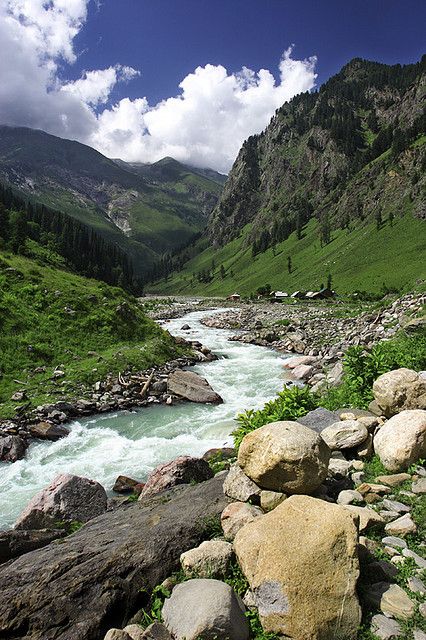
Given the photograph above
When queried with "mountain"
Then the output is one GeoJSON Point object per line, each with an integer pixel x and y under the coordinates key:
{"type": "Point", "coordinates": [145, 209]}
{"type": "Point", "coordinates": [333, 185]}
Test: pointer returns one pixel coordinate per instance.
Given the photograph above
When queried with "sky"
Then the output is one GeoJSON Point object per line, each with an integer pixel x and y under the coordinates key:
{"type": "Point", "coordinates": [191, 79]}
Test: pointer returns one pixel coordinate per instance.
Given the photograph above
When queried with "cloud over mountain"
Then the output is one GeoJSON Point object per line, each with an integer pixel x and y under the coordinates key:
{"type": "Point", "coordinates": [204, 124]}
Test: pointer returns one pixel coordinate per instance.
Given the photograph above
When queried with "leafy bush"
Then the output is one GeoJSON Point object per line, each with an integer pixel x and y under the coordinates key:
{"type": "Point", "coordinates": [362, 368]}
{"type": "Point", "coordinates": [292, 403]}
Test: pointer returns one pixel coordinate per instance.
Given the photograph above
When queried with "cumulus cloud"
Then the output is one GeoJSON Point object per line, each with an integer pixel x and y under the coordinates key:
{"type": "Point", "coordinates": [204, 124]}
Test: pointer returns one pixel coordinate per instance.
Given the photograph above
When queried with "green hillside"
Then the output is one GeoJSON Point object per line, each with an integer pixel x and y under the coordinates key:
{"type": "Point", "coordinates": [51, 319]}
{"type": "Point", "coordinates": [144, 209]}
{"type": "Point", "coordinates": [362, 259]}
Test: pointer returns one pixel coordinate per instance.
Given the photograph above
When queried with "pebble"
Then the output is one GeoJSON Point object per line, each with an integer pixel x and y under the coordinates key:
{"type": "Point", "coordinates": [419, 486]}
{"type": "Point", "coordinates": [420, 562]}
{"type": "Point", "coordinates": [393, 541]}
{"type": "Point", "coordinates": [385, 628]}
{"type": "Point", "coordinates": [393, 505]}
{"type": "Point", "coordinates": [401, 526]}
{"type": "Point", "coordinates": [416, 585]}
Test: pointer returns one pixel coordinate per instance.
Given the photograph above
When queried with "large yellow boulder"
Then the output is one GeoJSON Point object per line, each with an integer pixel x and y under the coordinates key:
{"type": "Point", "coordinates": [285, 456]}
{"type": "Point", "coordinates": [302, 565]}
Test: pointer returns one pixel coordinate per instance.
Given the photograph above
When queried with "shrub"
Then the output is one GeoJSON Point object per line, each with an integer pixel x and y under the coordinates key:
{"type": "Point", "coordinates": [292, 403]}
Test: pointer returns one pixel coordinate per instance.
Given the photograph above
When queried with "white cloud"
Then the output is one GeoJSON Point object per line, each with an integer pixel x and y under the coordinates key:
{"type": "Point", "coordinates": [204, 124]}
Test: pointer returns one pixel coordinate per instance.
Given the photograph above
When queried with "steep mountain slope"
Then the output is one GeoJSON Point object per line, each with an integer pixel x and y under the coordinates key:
{"type": "Point", "coordinates": [146, 212]}
{"type": "Point", "coordinates": [347, 161]}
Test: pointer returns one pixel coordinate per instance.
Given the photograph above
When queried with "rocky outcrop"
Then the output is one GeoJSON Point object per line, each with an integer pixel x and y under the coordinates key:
{"type": "Point", "coordinates": [215, 612]}
{"type": "Point", "coordinates": [192, 387]}
{"type": "Point", "coordinates": [399, 390]}
{"type": "Point", "coordinates": [285, 457]}
{"type": "Point", "coordinates": [402, 440]}
{"type": "Point", "coordinates": [302, 565]}
{"type": "Point", "coordinates": [93, 581]}
{"type": "Point", "coordinates": [181, 470]}
{"type": "Point", "coordinates": [68, 498]}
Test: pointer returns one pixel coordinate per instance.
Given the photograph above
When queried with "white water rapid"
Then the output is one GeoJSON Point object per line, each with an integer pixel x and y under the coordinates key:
{"type": "Point", "coordinates": [133, 443]}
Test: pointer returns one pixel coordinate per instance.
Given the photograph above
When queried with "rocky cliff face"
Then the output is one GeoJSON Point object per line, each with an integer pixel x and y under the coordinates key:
{"type": "Point", "coordinates": [344, 152]}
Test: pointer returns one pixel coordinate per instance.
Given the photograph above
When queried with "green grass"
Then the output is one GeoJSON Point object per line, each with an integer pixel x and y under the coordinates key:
{"type": "Point", "coordinates": [51, 318]}
{"type": "Point", "coordinates": [364, 259]}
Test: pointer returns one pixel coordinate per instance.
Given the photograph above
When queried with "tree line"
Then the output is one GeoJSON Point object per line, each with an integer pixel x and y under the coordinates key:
{"type": "Point", "coordinates": [83, 249]}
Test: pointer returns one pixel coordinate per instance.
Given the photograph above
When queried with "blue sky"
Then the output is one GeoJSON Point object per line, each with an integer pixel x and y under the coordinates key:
{"type": "Point", "coordinates": [167, 39]}
{"type": "Point", "coordinates": [191, 79]}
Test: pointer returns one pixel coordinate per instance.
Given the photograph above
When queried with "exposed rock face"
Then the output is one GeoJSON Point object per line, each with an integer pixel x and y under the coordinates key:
{"type": "Point", "coordinates": [94, 578]}
{"type": "Point", "coordinates": [67, 498]}
{"type": "Point", "coordinates": [15, 543]}
{"type": "Point", "coordinates": [210, 560]}
{"type": "Point", "coordinates": [181, 470]}
{"type": "Point", "coordinates": [398, 390]}
{"type": "Point", "coordinates": [302, 565]}
{"type": "Point", "coordinates": [344, 434]}
{"type": "Point", "coordinates": [191, 386]}
{"type": "Point", "coordinates": [12, 448]}
{"type": "Point", "coordinates": [402, 440]}
{"type": "Point", "coordinates": [205, 609]}
{"type": "Point", "coordinates": [285, 456]}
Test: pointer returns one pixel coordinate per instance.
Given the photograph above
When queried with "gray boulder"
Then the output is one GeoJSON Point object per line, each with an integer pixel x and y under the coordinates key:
{"type": "Point", "coordinates": [191, 386]}
{"type": "Point", "coordinates": [67, 498]}
{"type": "Point", "coordinates": [181, 470]}
{"type": "Point", "coordinates": [344, 434]}
{"type": "Point", "coordinates": [91, 582]}
{"type": "Point", "coordinates": [205, 609]}
{"type": "Point", "coordinates": [319, 419]}
{"type": "Point", "coordinates": [12, 448]}
{"type": "Point", "coordinates": [238, 486]}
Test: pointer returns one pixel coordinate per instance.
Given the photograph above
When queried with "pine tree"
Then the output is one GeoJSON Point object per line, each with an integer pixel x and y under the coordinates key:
{"type": "Point", "coordinates": [289, 264]}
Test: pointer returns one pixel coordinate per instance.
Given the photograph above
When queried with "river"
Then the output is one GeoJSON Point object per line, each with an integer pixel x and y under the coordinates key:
{"type": "Point", "coordinates": [133, 443]}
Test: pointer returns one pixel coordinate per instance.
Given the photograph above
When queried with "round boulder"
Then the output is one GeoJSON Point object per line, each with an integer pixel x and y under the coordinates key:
{"type": "Point", "coordinates": [285, 456]}
{"type": "Point", "coordinates": [399, 390]}
{"type": "Point", "coordinates": [205, 609]}
{"type": "Point", "coordinates": [401, 441]}
{"type": "Point", "coordinates": [68, 498]}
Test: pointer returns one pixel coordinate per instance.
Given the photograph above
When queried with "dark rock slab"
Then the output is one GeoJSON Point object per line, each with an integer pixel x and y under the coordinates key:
{"type": "Point", "coordinates": [191, 386]}
{"type": "Point", "coordinates": [92, 581]}
{"type": "Point", "coordinates": [15, 543]}
{"type": "Point", "coordinates": [319, 419]}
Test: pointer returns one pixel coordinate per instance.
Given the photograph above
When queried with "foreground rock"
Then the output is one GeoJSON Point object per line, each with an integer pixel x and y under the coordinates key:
{"type": "Point", "coordinates": [12, 448]}
{"type": "Point", "coordinates": [68, 498]}
{"type": "Point", "coordinates": [402, 440]}
{"type": "Point", "coordinates": [399, 390]}
{"type": "Point", "coordinates": [345, 434]}
{"type": "Point", "coordinates": [91, 582]}
{"type": "Point", "coordinates": [205, 609]}
{"type": "Point", "coordinates": [302, 565]}
{"type": "Point", "coordinates": [285, 456]}
{"type": "Point", "coordinates": [191, 386]}
{"type": "Point", "coordinates": [181, 470]}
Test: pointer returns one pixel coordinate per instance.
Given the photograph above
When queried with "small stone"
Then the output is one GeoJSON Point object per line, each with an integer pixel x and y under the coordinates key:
{"type": "Point", "coordinates": [385, 628]}
{"type": "Point", "coordinates": [391, 599]}
{"type": "Point", "coordinates": [369, 487]}
{"type": "Point", "coordinates": [348, 496]}
{"type": "Point", "coordinates": [155, 631]}
{"type": "Point", "coordinates": [117, 634]}
{"type": "Point", "coordinates": [393, 505]}
{"type": "Point", "coordinates": [345, 434]}
{"type": "Point", "coordinates": [419, 486]}
{"type": "Point", "coordinates": [236, 515]}
{"type": "Point", "coordinates": [368, 518]}
{"type": "Point", "coordinates": [416, 585]}
{"type": "Point", "coordinates": [338, 467]}
{"type": "Point", "coordinates": [401, 526]}
{"type": "Point", "coordinates": [398, 559]}
{"type": "Point", "coordinates": [210, 560]}
{"type": "Point", "coordinates": [389, 516]}
{"type": "Point", "coordinates": [239, 487]}
{"type": "Point", "coordinates": [420, 562]}
{"type": "Point", "coordinates": [393, 541]}
{"type": "Point", "coordinates": [271, 499]}
{"type": "Point", "coordinates": [357, 477]}
{"type": "Point", "coordinates": [393, 480]}
{"type": "Point", "coordinates": [418, 634]}
{"type": "Point", "coordinates": [422, 609]}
